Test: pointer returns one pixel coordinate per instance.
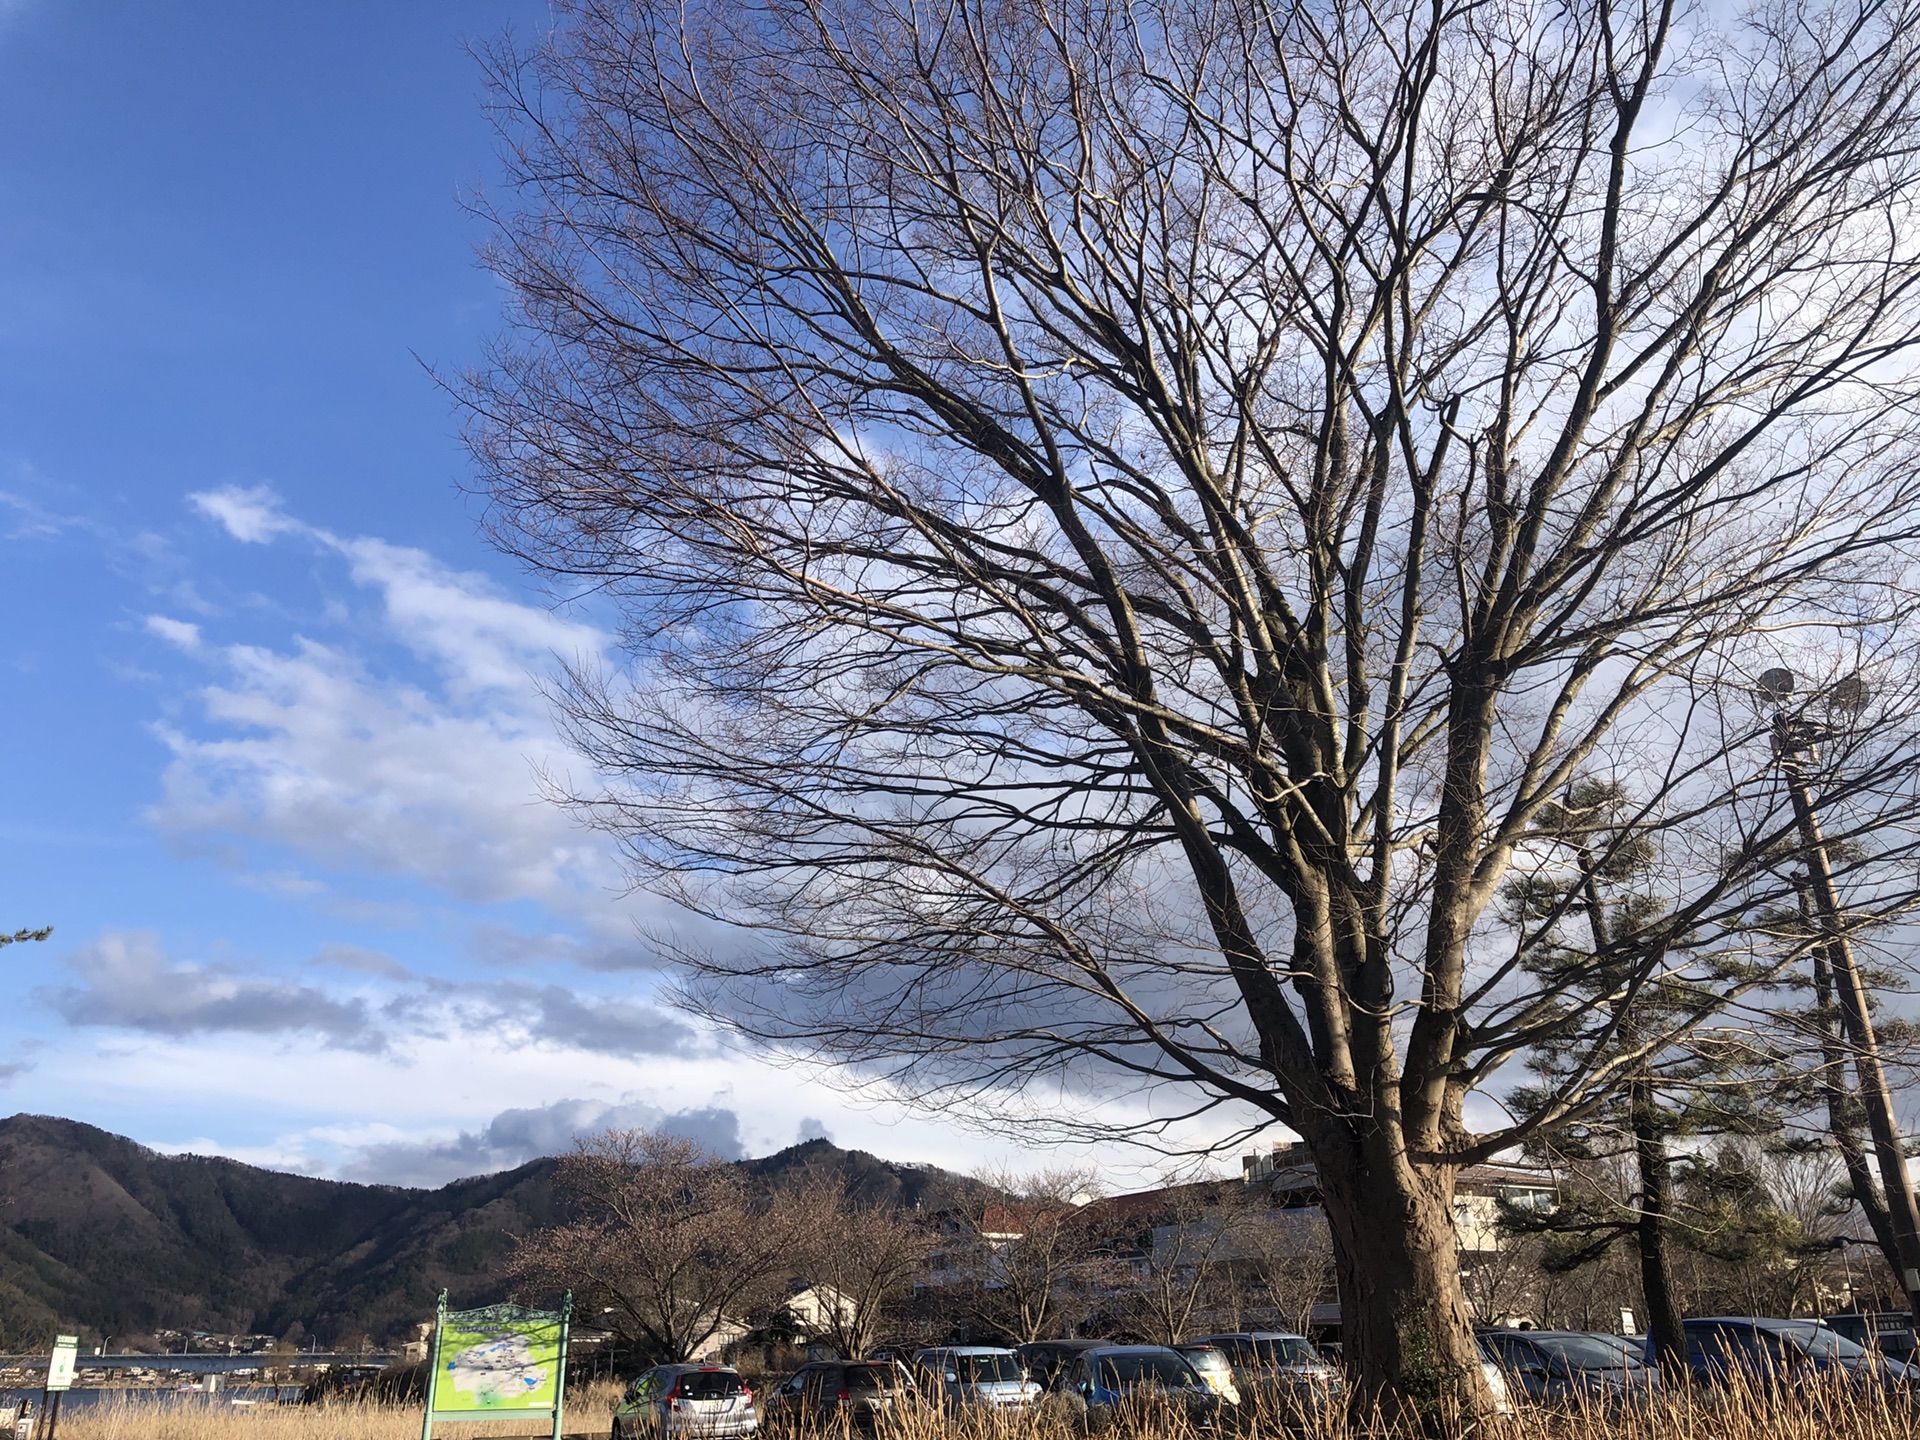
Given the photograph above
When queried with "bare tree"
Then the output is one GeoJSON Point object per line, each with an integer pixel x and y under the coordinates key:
{"type": "Point", "coordinates": [1188, 1252]}
{"type": "Point", "coordinates": [666, 1244]}
{"type": "Point", "coordinates": [1024, 1257]}
{"type": "Point", "coordinates": [1286, 1269]}
{"type": "Point", "coordinates": [1124, 515]}
{"type": "Point", "coordinates": [862, 1260]}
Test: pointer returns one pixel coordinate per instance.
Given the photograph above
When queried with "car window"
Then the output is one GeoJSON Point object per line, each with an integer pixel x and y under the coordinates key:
{"type": "Point", "coordinates": [1239, 1352]}
{"type": "Point", "coordinates": [1589, 1352]}
{"type": "Point", "coordinates": [985, 1369]}
{"type": "Point", "coordinates": [1736, 1345]}
{"type": "Point", "coordinates": [1205, 1357]}
{"type": "Point", "coordinates": [1819, 1341]}
{"type": "Point", "coordinates": [1148, 1367]}
{"type": "Point", "coordinates": [871, 1378]}
{"type": "Point", "coordinates": [1285, 1352]}
{"type": "Point", "coordinates": [1517, 1354]}
{"type": "Point", "coordinates": [709, 1385]}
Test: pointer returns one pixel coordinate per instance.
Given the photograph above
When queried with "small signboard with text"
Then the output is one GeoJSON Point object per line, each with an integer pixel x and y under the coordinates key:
{"type": "Point", "coordinates": [496, 1363]}
{"type": "Point", "coordinates": [60, 1366]}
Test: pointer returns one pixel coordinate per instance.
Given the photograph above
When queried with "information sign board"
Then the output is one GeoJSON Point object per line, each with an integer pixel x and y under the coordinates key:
{"type": "Point", "coordinates": [498, 1362]}
{"type": "Point", "coordinates": [60, 1365]}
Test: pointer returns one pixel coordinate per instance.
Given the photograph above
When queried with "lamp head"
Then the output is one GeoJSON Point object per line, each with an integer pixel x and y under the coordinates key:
{"type": "Point", "coordinates": [1849, 696]}
{"type": "Point", "coordinates": [1777, 684]}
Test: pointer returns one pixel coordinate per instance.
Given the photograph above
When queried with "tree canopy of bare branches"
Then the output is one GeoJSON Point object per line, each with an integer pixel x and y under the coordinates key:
{"type": "Point", "coordinates": [862, 1258]}
{"type": "Point", "coordinates": [665, 1246]}
{"type": "Point", "coordinates": [1126, 516]}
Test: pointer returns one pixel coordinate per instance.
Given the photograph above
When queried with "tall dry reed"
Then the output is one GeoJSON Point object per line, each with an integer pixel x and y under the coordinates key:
{"type": "Point", "coordinates": [1816, 1413]}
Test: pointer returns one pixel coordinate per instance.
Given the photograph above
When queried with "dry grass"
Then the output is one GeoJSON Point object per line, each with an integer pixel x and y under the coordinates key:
{"type": "Point", "coordinates": [588, 1413]}
{"type": "Point", "coordinates": [1817, 1415]}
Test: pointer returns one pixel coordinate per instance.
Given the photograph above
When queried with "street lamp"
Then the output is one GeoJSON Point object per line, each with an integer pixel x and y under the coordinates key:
{"type": "Point", "coordinates": [1794, 740]}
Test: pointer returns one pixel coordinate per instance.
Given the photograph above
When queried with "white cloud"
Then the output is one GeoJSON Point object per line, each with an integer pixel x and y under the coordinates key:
{"type": "Point", "coordinates": [479, 640]}
{"type": "Point", "coordinates": [251, 515]}
{"type": "Point", "coordinates": [181, 633]}
{"type": "Point", "coordinates": [354, 769]}
{"type": "Point", "coordinates": [432, 775]}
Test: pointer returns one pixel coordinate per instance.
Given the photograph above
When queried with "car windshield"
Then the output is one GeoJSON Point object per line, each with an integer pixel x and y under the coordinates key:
{"type": "Point", "coordinates": [1205, 1357]}
{"type": "Point", "coordinates": [1591, 1352]}
{"type": "Point", "coordinates": [1818, 1341]}
{"type": "Point", "coordinates": [985, 1369]}
{"type": "Point", "coordinates": [1294, 1351]}
{"type": "Point", "coordinates": [709, 1385]}
{"type": "Point", "coordinates": [871, 1377]}
{"type": "Point", "coordinates": [1147, 1367]}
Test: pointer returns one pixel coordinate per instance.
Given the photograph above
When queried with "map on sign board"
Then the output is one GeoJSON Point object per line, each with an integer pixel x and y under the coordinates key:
{"type": "Point", "coordinates": [502, 1357]}
{"type": "Point", "coordinates": [60, 1366]}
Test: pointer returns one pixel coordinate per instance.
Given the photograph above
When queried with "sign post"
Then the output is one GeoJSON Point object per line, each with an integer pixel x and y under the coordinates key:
{"type": "Point", "coordinates": [499, 1362]}
{"type": "Point", "coordinates": [59, 1378]}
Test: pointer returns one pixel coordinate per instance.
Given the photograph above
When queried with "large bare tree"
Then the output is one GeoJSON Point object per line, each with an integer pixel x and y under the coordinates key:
{"type": "Point", "coordinates": [1126, 514]}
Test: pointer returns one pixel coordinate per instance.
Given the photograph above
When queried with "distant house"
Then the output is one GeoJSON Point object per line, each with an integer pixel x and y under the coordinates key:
{"type": "Point", "coordinates": [726, 1335]}
{"type": "Point", "coordinates": [814, 1310]}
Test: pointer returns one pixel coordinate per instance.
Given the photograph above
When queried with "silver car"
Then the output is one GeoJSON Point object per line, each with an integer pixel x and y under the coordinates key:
{"type": "Point", "coordinates": [689, 1400]}
{"type": "Point", "coordinates": [1277, 1367]}
{"type": "Point", "coordinates": [978, 1376]}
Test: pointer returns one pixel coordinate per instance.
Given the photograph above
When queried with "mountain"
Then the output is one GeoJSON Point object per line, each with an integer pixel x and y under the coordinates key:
{"type": "Point", "coordinates": [102, 1236]}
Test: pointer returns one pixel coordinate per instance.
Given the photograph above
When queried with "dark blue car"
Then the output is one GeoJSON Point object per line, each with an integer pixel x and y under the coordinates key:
{"type": "Point", "coordinates": [1122, 1382]}
{"type": "Point", "coordinates": [1782, 1352]}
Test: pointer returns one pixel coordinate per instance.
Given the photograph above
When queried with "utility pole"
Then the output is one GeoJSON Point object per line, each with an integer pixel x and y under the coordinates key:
{"type": "Point", "coordinates": [1794, 739]}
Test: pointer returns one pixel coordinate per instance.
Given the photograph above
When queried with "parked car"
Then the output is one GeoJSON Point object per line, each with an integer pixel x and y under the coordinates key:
{"type": "Point", "coordinates": [1276, 1367]}
{"type": "Point", "coordinates": [1888, 1331]}
{"type": "Point", "coordinates": [1782, 1352]}
{"type": "Point", "coordinates": [1104, 1383]}
{"type": "Point", "coordinates": [1213, 1366]}
{"type": "Point", "coordinates": [1044, 1359]}
{"type": "Point", "coordinates": [670, 1400]}
{"type": "Point", "coordinates": [1554, 1365]}
{"type": "Point", "coordinates": [983, 1376]}
{"type": "Point", "coordinates": [865, 1392]}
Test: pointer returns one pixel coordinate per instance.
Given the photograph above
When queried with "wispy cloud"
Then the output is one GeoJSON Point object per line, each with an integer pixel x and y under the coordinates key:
{"type": "Point", "coordinates": [514, 1137]}
{"type": "Point", "coordinates": [432, 774]}
{"type": "Point", "coordinates": [181, 633]}
{"type": "Point", "coordinates": [126, 980]}
{"type": "Point", "coordinates": [251, 515]}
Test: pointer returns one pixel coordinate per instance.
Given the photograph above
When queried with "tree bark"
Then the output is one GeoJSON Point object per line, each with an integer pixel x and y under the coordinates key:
{"type": "Point", "coordinates": [1842, 1120]}
{"type": "Point", "coordinates": [1403, 1312]}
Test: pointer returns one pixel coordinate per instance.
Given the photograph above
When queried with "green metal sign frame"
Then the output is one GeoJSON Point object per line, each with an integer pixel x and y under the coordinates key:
{"type": "Point", "coordinates": [511, 1363]}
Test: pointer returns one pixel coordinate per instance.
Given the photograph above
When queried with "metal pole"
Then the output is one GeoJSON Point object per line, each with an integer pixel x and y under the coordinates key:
{"type": "Point", "coordinates": [1791, 741]}
{"type": "Point", "coordinates": [560, 1379]}
{"type": "Point", "coordinates": [433, 1367]}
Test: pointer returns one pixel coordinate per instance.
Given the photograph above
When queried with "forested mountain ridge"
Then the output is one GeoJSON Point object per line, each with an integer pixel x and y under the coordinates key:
{"type": "Point", "coordinates": [102, 1236]}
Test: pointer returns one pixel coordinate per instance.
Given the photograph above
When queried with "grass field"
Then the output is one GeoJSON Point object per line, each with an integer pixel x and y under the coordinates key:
{"type": "Point", "coordinates": [1825, 1415]}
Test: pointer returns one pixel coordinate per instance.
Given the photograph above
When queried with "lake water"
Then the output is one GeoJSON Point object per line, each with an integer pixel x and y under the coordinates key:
{"type": "Point", "coordinates": [89, 1398]}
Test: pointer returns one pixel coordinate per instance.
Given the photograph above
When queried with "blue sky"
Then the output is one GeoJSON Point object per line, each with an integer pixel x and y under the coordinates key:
{"type": "Point", "coordinates": [271, 734]}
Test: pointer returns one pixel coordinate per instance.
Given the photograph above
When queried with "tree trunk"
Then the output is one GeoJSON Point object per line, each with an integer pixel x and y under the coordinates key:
{"type": "Point", "coordinates": [1650, 1234]}
{"type": "Point", "coordinates": [1842, 1106]}
{"type": "Point", "coordinates": [1856, 1019]}
{"type": "Point", "coordinates": [1405, 1330]}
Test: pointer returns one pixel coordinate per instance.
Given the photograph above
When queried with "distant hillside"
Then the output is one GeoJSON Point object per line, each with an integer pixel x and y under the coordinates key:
{"type": "Point", "coordinates": [103, 1235]}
